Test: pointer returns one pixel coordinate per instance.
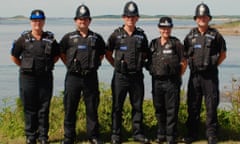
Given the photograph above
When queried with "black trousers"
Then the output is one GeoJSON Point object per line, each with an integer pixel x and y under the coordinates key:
{"type": "Point", "coordinates": [75, 87]}
{"type": "Point", "coordinates": [121, 85]}
{"type": "Point", "coordinates": [203, 84]}
{"type": "Point", "coordinates": [166, 97]}
{"type": "Point", "coordinates": [36, 94]}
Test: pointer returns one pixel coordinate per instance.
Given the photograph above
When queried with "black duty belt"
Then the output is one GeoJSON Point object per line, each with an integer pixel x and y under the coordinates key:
{"type": "Point", "coordinates": [165, 78]}
{"type": "Point", "coordinates": [81, 73]}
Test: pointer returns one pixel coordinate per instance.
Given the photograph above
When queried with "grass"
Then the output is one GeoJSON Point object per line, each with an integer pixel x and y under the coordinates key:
{"type": "Point", "coordinates": [12, 121]}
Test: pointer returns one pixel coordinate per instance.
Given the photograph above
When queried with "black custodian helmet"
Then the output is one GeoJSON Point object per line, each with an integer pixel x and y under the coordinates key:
{"type": "Point", "coordinates": [165, 22]}
{"type": "Point", "coordinates": [202, 10]}
{"type": "Point", "coordinates": [130, 9]}
{"type": "Point", "coordinates": [82, 12]}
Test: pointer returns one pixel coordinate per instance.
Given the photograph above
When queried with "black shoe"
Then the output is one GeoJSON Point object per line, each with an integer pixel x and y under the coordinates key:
{"type": "Point", "coordinates": [115, 141]}
{"type": "Point", "coordinates": [142, 139]}
{"type": "Point", "coordinates": [95, 141]}
{"type": "Point", "coordinates": [67, 141]}
{"type": "Point", "coordinates": [160, 140]}
{"type": "Point", "coordinates": [44, 141]}
{"type": "Point", "coordinates": [188, 140]}
{"type": "Point", "coordinates": [31, 141]}
{"type": "Point", "coordinates": [171, 142]}
{"type": "Point", "coordinates": [212, 140]}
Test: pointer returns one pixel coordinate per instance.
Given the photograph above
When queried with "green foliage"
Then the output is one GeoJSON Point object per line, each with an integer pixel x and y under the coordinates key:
{"type": "Point", "coordinates": [12, 120]}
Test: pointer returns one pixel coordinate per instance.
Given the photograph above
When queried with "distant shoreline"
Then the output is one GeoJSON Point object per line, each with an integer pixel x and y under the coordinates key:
{"type": "Point", "coordinates": [231, 27]}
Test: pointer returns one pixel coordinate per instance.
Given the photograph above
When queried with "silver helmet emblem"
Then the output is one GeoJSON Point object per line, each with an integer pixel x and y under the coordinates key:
{"type": "Point", "coordinates": [131, 7]}
{"type": "Point", "coordinates": [201, 10]}
{"type": "Point", "coordinates": [37, 13]}
{"type": "Point", "coordinates": [82, 10]}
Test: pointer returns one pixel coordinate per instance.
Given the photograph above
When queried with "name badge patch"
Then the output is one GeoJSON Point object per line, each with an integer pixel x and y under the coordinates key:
{"type": "Point", "coordinates": [197, 46]}
{"type": "Point", "coordinates": [82, 47]}
{"type": "Point", "coordinates": [167, 51]}
{"type": "Point", "coordinates": [123, 48]}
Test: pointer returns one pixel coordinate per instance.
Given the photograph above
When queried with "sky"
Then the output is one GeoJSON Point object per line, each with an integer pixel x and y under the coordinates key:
{"type": "Point", "coordinates": [67, 8]}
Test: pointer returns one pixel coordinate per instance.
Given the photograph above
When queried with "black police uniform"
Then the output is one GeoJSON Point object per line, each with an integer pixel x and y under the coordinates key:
{"type": "Point", "coordinates": [128, 77]}
{"type": "Point", "coordinates": [83, 59]}
{"type": "Point", "coordinates": [36, 80]}
{"type": "Point", "coordinates": [164, 66]}
{"type": "Point", "coordinates": [202, 51]}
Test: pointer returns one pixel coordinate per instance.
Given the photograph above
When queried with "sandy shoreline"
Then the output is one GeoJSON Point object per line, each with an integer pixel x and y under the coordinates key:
{"type": "Point", "coordinates": [235, 31]}
{"type": "Point", "coordinates": [232, 31]}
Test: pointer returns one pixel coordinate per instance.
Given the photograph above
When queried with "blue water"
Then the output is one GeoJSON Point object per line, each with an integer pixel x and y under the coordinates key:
{"type": "Point", "coordinates": [11, 29]}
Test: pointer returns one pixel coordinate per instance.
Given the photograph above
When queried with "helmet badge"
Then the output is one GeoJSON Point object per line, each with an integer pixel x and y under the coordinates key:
{"type": "Point", "coordinates": [201, 10]}
{"type": "Point", "coordinates": [166, 22]}
{"type": "Point", "coordinates": [131, 7]}
{"type": "Point", "coordinates": [82, 10]}
{"type": "Point", "coordinates": [37, 13]}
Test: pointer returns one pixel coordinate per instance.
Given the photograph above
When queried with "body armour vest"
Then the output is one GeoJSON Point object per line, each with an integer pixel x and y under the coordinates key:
{"type": "Point", "coordinates": [128, 51]}
{"type": "Point", "coordinates": [37, 55]}
{"type": "Point", "coordinates": [82, 56]}
{"type": "Point", "coordinates": [200, 50]}
{"type": "Point", "coordinates": [165, 60]}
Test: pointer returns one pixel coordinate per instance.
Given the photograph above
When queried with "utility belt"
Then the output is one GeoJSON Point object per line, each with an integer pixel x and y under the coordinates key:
{"type": "Point", "coordinates": [35, 73]}
{"type": "Point", "coordinates": [167, 78]}
{"type": "Point", "coordinates": [128, 72]}
{"type": "Point", "coordinates": [81, 72]}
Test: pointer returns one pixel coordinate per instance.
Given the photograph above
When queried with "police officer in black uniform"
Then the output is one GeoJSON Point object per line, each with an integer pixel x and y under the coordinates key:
{"type": "Point", "coordinates": [205, 49]}
{"type": "Point", "coordinates": [82, 51]}
{"type": "Point", "coordinates": [130, 45]}
{"type": "Point", "coordinates": [35, 52]}
{"type": "Point", "coordinates": [166, 64]}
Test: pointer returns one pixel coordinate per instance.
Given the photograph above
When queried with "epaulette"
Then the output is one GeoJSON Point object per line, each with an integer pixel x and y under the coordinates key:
{"type": "Point", "coordinates": [174, 38]}
{"type": "Point", "coordinates": [140, 29]}
{"type": "Point", "coordinates": [50, 35]}
{"type": "Point", "coordinates": [119, 29]}
{"type": "Point", "coordinates": [193, 33]}
{"type": "Point", "coordinates": [25, 32]}
{"type": "Point", "coordinates": [213, 31]}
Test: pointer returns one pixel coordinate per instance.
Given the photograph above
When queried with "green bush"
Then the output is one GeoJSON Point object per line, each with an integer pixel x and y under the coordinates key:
{"type": "Point", "coordinates": [12, 121]}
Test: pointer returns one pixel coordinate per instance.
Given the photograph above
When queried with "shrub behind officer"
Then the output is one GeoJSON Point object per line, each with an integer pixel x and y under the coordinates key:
{"type": "Point", "coordinates": [81, 51]}
{"type": "Point", "coordinates": [130, 45]}
{"type": "Point", "coordinates": [166, 65]}
{"type": "Point", "coordinates": [35, 52]}
{"type": "Point", "coordinates": [205, 49]}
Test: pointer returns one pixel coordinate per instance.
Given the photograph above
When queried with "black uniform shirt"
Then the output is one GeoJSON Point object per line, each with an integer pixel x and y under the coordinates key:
{"type": "Point", "coordinates": [113, 42]}
{"type": "Point", "coordinates": [19, 46]}
{"type": "Point", "coordinates": [218, 45]}
{"type": "Point", "coordinates": [100, 44]}
{"type": "Point", "coordinates": [179, 46]}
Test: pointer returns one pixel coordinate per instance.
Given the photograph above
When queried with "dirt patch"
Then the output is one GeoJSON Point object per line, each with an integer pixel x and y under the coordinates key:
{"type": "Point", "coordinates": [235, 31]}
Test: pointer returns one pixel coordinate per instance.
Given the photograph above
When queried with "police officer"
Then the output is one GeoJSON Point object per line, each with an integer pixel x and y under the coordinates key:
{"type": "Point", "coordinates": [166, 64]}
{"type": "Point", "coordinates": [130, 46]}
{"type": "Point", "coordinates": [81, 51]}
{"type": "Point", "coordinates": [35, 52]}
{"type": "Point", "coordinates": [205, 49]}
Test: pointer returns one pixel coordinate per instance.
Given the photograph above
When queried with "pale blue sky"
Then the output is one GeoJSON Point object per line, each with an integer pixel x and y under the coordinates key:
{"type": "Point", "coordinates": [67, 8]}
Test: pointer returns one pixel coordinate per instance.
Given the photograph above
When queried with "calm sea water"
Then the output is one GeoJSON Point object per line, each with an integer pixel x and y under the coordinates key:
{"type": "Point", "coordinates": [11, 30]}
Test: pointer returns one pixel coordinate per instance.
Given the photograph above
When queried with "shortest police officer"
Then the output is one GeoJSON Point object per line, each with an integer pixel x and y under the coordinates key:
{"type": "Point", "coordinates": [82, 51]}
{"type": "Point", "coordinates": [35, 52]}
{"type": "Point", "coordinates": [205, 49]}
{"type": "Point", "coordinates": [166, 65]}
{"type": "Point", "coordinates": [130, 46]}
